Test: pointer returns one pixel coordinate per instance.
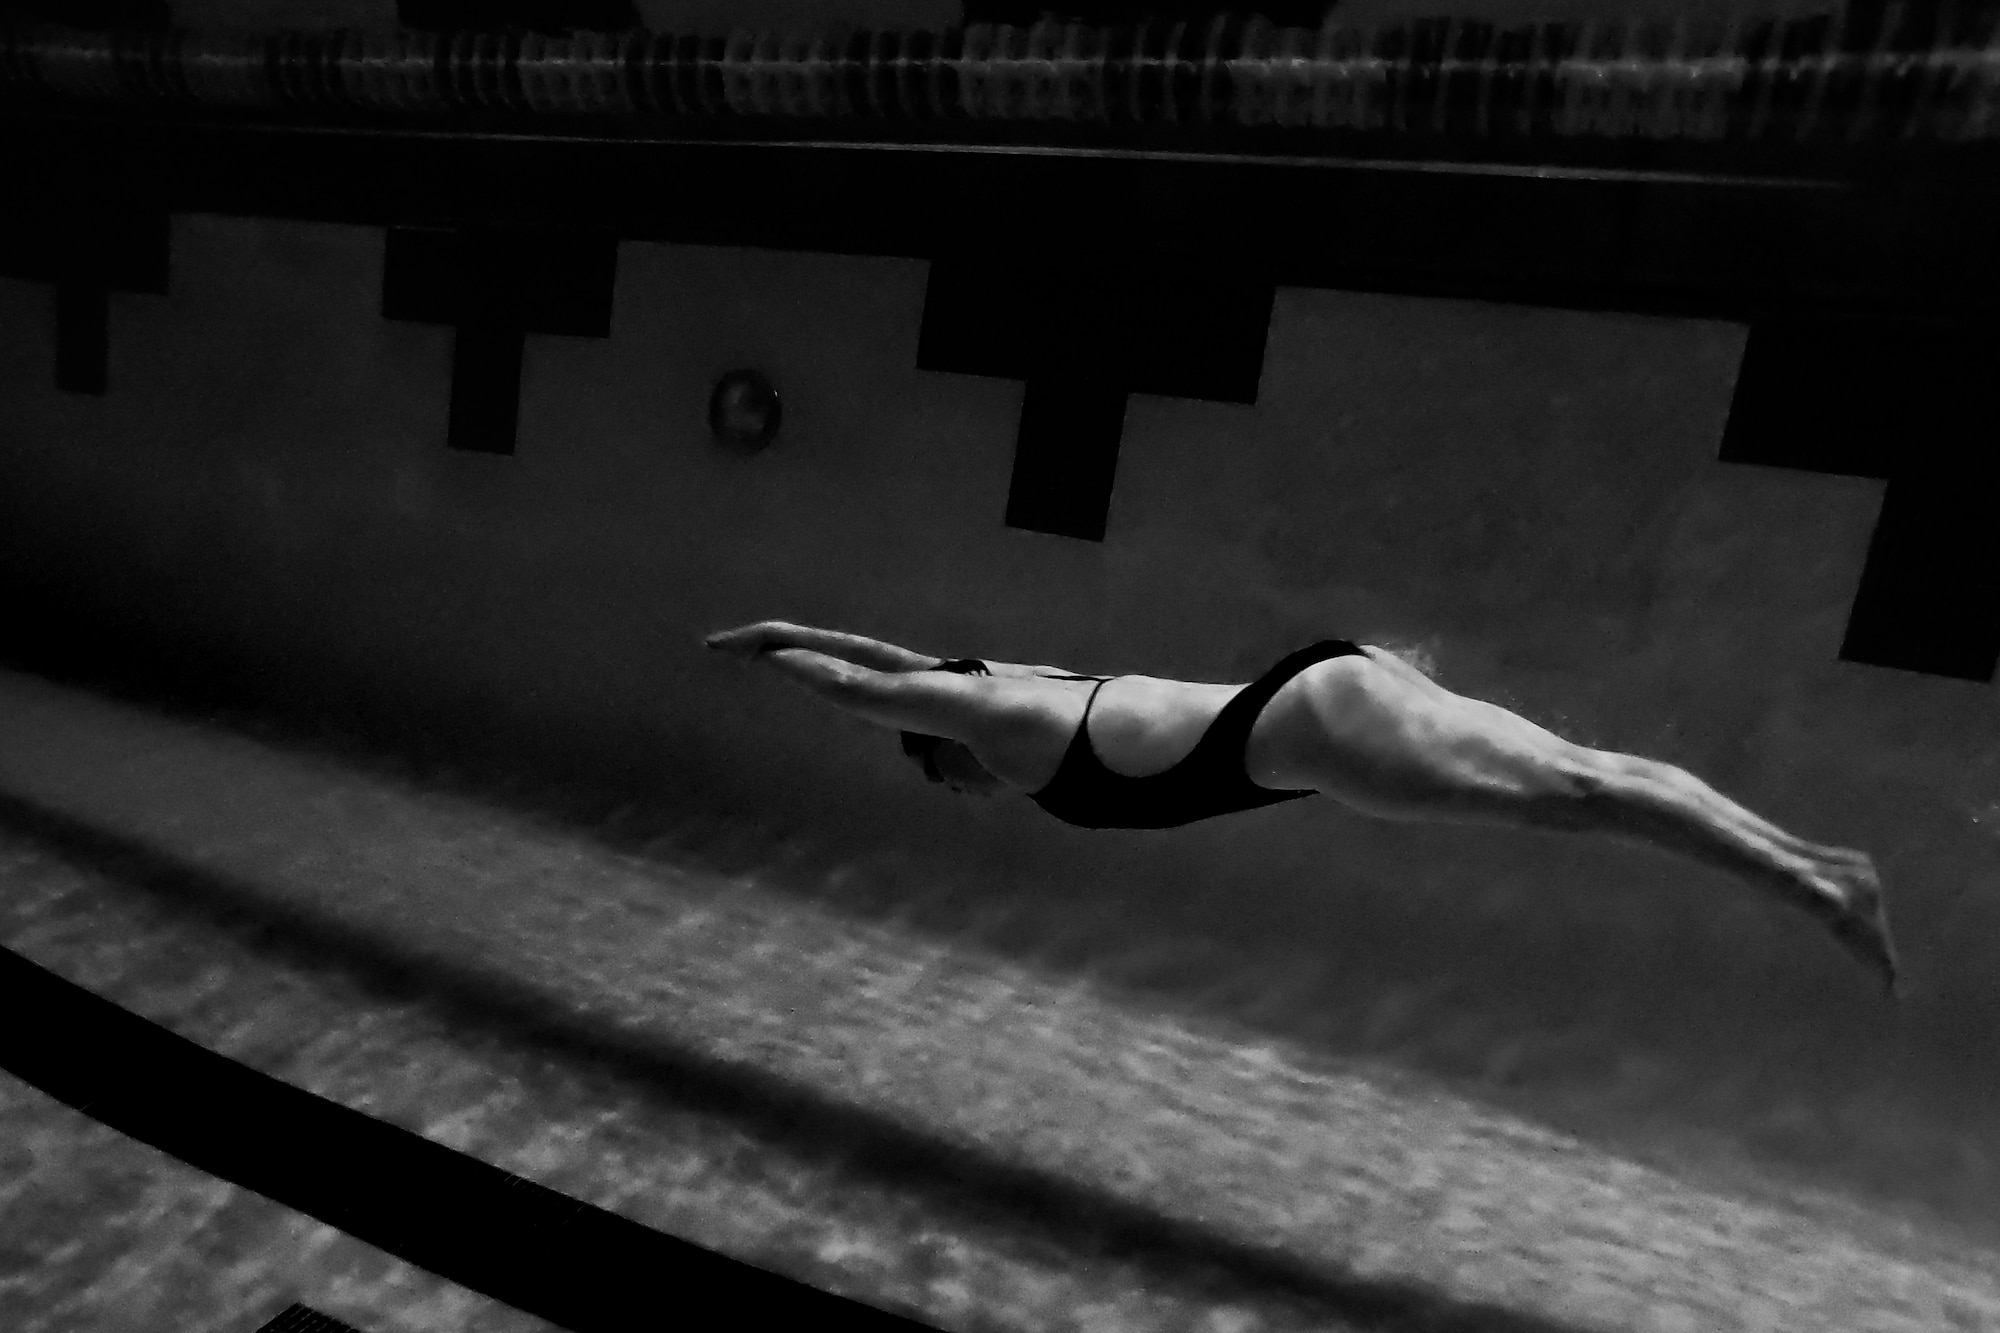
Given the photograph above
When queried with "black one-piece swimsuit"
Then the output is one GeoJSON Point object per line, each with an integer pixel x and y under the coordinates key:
{"type": "Point", "coordinates": [1209, 781]}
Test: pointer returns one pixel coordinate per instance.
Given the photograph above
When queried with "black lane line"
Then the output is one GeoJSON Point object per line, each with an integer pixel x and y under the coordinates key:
{"type": "Point", "coordinates": [875, 1148]}
{"type": "Point", "coordinates": [471, 1223]}
{"type": "Point", "coordinates": [497, 1233]}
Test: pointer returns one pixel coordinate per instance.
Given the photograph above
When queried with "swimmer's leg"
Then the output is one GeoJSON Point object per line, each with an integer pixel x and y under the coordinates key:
{"type": "Point", "coordinates": [1397, 745]}
{"type": "Point", "coordinates": [1656, 803]}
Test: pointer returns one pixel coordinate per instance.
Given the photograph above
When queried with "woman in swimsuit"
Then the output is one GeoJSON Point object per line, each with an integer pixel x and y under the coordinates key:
{"type": "Point", "coordinates": [1337, 719]}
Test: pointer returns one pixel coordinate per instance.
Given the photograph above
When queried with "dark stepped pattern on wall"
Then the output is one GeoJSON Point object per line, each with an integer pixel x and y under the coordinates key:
{"type": "Point", "coordinates": [774, 139]}
{"type": "Point", "coordinates": [1129, 324]}
{"type": "Point", "coordinates": [495, 286]}
{"type": "Point", "coordinates": [1914, 77]}
{"type": "Point", "coordinates": [86, 248]}
{"type": "Point", "coordinates": [1902, 401]}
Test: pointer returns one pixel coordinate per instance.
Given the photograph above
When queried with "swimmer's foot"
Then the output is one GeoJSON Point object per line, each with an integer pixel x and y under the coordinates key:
{"type": "Point", "coordinates": [1847, 895]}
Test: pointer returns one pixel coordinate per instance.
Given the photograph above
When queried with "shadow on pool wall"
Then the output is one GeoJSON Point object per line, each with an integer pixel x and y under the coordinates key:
{"type": "Point", "coordinates": [261, 515]}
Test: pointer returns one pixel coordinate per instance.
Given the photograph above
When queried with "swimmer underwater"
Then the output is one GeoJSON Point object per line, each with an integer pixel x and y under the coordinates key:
{"type": "Point", "coordinates": [1339, 719]}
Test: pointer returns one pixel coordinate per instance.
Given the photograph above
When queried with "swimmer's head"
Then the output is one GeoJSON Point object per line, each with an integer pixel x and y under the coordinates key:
{"type": "Point", "coordinates": [951, 763]}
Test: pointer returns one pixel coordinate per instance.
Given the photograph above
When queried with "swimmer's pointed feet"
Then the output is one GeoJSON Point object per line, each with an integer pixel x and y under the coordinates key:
{"type": "Point", "coordinates": [1848, 896]}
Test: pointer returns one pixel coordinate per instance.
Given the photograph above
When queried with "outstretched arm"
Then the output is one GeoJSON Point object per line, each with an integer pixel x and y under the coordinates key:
{"type": "Point", "coordinates": [831, 678]}
{"type": "Point", "coordinates": [962, 708]}
{"type": "Point", "coordinates": [770, 635]}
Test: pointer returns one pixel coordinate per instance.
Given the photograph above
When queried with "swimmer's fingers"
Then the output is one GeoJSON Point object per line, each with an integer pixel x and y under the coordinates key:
{"type": "Point", "coordinates": [745, 641]}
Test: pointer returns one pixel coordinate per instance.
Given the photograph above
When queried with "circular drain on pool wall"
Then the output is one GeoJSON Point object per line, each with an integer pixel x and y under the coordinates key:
{"type": "Point", "coordinates": [744, 412]}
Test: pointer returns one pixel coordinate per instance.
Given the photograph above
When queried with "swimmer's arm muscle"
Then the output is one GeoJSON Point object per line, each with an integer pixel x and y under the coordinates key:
{"type": "Point", "coordinates": [953, 706]}
{"type": "Point", "coordinates": [854, 648]}
{"type": "Point", "coordinates": [879, 656]}
{"type": "Point", "coordinates": [1023, 670]}
{"type": "Point", "coordinates": [769, 635]}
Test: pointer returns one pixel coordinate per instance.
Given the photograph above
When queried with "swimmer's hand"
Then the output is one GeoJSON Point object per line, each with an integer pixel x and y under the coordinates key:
{"type": "Point", "coordinates": [747, 641]}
